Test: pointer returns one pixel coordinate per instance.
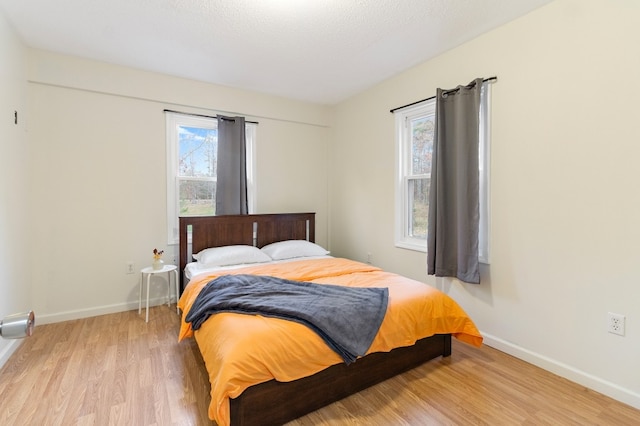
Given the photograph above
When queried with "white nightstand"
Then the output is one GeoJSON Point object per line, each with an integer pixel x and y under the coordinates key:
{"type": "Point", "coordinates": [149, 271]}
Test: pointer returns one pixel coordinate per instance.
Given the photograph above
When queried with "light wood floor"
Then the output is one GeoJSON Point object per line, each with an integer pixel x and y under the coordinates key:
{"type": "Point", "coordinates": [118, 370]}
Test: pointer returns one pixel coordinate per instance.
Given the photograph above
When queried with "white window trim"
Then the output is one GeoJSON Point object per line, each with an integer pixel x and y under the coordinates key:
{"type": "Point", "coordinates": [402, 239]}
{"type": "Point", "coordinates": [484, 170]}
{"type": "Point", "coordinates": [251, 130]}
{"type": "Point", "coordinates": [402, 118]}
{"type": "Point", "coordinates": [175, 119]}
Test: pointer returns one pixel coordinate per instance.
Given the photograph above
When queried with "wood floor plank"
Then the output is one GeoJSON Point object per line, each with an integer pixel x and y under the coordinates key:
{"type": "Point", "coordinates": [119, 370]}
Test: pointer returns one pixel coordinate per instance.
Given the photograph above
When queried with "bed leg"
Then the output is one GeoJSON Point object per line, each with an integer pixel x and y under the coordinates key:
{"type": "Point", "coordinates": [447, 345]}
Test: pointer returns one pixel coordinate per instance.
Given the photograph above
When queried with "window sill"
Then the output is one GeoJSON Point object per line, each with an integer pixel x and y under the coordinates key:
{"type": "Point", "coordinates": [423, 248]}
{"type": "Point", "coordinates": [411, 246]}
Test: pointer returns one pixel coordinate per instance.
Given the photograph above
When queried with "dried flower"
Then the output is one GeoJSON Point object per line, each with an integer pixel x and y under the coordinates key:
{"type": "Point", "coordinates": [157, 254]}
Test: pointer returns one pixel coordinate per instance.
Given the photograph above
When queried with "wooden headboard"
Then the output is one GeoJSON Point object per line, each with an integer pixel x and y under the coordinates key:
{"type": "Point", "coordinates": [253, 229]}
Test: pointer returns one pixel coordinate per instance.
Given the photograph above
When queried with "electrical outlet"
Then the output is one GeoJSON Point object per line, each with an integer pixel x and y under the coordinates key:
{"type": "Point", "coordinates": [615, 324]}
{"type": "Point", "coordinates": [130, 269]}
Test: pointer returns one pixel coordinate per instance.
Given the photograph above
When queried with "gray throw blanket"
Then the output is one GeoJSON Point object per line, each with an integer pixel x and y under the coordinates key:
{"type": "Point", "coordinates": [347, 318]}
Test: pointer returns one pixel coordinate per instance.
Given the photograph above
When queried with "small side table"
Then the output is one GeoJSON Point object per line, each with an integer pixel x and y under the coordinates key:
{"type": "Point", "coordinates": [149, 271]}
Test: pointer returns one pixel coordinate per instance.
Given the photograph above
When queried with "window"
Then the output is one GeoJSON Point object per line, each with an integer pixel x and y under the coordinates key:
{"type": "Point", "coordinates": [192, 150]}
{"type": "Point", "coordinates": [414, 145]}
{"type": "Point", "coordinates": [414, 128]}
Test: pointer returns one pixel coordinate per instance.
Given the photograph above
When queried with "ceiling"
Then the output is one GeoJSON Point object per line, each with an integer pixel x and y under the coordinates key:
{"type": "Point", "coordinates": [321, 51]}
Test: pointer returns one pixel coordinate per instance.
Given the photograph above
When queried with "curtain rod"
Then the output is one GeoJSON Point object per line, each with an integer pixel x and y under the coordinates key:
{"type": "Point", "coordinates": [202, 115]}
{"type": "Point", "coordinates": [433, 97]}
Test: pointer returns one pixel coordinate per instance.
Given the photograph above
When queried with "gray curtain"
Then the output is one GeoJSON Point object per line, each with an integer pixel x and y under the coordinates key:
{"type": "Point", "coordinates": [452, 239]}
{"type": "Point", "coordinates": [231, 186]}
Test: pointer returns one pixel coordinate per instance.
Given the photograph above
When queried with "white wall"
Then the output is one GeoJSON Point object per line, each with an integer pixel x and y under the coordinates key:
{"type": "Point", "coordinates": [14, 207]}
{"type": "Point", "coordinates": [565, 204]}
{"type": "Point", "coordinates": [97, 169]}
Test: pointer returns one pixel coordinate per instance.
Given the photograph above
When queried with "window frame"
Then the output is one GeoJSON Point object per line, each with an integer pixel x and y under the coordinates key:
{"type": "Point", "coordinates": [484, 173]}
{"type": "Point", "coordinates": [173, 120]}
{"type": "Point", "coordinates": [403, 238]}
{"type": "Point", "coordinates": [403, 117]}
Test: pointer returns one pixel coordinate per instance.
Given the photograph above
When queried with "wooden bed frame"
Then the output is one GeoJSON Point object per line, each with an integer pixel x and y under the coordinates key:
{"type": "Point", "coordinates": [273, 402]}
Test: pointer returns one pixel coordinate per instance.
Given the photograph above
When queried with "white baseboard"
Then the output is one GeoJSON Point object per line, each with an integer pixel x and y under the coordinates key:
{"type": "Point", "coordinates": [95, 311]}
{"type": "Point", "coordinates": [563, 370]}
{"type": "Point", "coordinates": [8, 350]}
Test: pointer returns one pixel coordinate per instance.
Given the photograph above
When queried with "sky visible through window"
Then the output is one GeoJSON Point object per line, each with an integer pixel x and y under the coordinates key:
{"type": "Point", "coordinates": [198, 151]}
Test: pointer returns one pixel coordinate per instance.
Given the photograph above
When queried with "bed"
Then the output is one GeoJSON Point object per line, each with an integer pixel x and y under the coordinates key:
{"type": "Point", "coordinates": [273, 388]}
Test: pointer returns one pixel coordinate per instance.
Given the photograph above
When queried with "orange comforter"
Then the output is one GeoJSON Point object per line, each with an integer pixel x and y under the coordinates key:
{"type": "Point", "coordinates": [243, 350]}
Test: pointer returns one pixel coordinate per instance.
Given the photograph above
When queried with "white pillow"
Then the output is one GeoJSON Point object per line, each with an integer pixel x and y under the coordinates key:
{"type": "Point", "coordinates": [293, 248]}
{"type": "Point", "coordinates": [231, 255]}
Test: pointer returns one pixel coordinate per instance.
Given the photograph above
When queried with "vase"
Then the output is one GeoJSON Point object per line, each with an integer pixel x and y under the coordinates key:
{"type": "Point", "coordinates": [157, 264]}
